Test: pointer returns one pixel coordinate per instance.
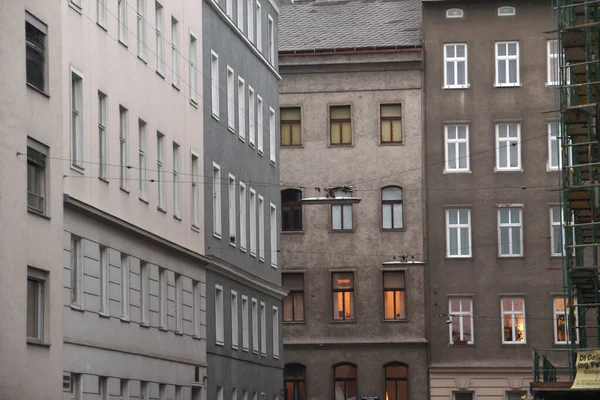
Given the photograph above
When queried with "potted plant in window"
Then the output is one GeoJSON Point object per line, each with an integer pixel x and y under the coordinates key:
{"type": "Point", "coordinates": [232, 239]}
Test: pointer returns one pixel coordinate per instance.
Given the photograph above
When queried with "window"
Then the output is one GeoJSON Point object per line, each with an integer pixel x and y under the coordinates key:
{"type": "Point", "coordinates": [214, 80]}
{"type": "Point", "coordinates": [160, 40]}
{"type": "Point", "coordinates": [391, 123]}
{"type": "Point", "coordinates": [216, 195]}
{"type": "Point", "coordinates": [454, 13]}
{"type": "Point", "coordinates": [458, 233]}
{"type": "Point", "coordinates": [196, 289]}
{"type": "Point", "coordinates": [242, 108]}
{"type": "Point", "coordinates": [562, 327]}
{"type": "Point", "coordinates": [122, 20]}
{"type": "Point", "coordinates": [240, 14]}
{"type": "Point", "coordinates": [457, 148]}
{"type": "Point", "coordinates": [219, 328]}
{"type": "Point", "coordinates": [101, 12]}
{"type": "Point", "coordinates": [178, 303]}
{"type": "Point", "coordinates": [554, 155]}
{"type": "Point", "coordinates": [35, 52]}
{"type": "Point", "coordinates": [344, 381]}
{"type": "Point", "coordinates": [229, 8]}
{"type": "Point", "coordinates": [102, 137]}
{"type": "Point", "coordinates": [176, 182]}
{"type": "Point", "coordinates": [508, 146]}
{"type": "Point", "coordinates": [263, 329]}
{"type": "Point", "coordinates": [234, 395]}
{"type": "Point", "coordinates": [553, 68]}
{"type": "Point", "coordinates": [293, 303]}
{"type": "Point", "coordinates": [234, 320]}
{"type": "Point", "coordinates": [513, 320]}
{"type": "Point", "coordinates": [178, 392]}
{"type": "Point", "coordinates": [162, 297]}
{"type": "Point", "coordinates": [272, 138]}
{"type": "Point", "coordinates": [143, 168]}
{"type": "Point", "coordinates": [36, 176]}
{"type": "Point", "coordinates": [160, 170]}
{"type": "Point", "coordinates": [250, 14]}
{"type": "Point", "coordinates": [460, 310]}
{"type": "Point", "coordinates": [124, 286]}
{"type": "Point", "coordinates": [36, 303]}
{"type": "Point", "coordinates": [391, 207]}
{"type": "Point", "coordinates": [230, 99]}
{"type": "Point", "coordinates": [76, 272]}
{"type": "Point", "coordinates": [343, 296]}
{"type": "Point", "coordinates": [291, 126]}
{"type": "Point", "coordinates": [510, 231]}
{"type": "Point", "coordinates": [516, 395]}
{"type": "Point", "coordinates": [294, 382]}
{"type": "Point", "coordinates": [273, 227]}
{"type": "Point", "coordinates": [396, 381]}
{"type": "Point", "coordinates": [254, 326]}
{"type": "Point", "coordinates": [245, 328]}
{"type": "Point", "coordinates": [507, 64]}
{"type": "Point", "coordinates": [455, 66]}
{"type": "Point", "coordinates": [557, 232]}
{"type": "Point", "coordinates": [141, 29]}
{"type": "Point", "coordinates": [261, 228]}
{"type": "Point", "coordinates": [506, 11]}
{"type": "Point", "coordinates": [341, 214]}
{"type": "Point", "coordinates": [260, 114]}
{"type": "Point", "coordinates": [175, 51]}
{"type": "Point", "coordinates": [144, 292]}
{"type": "Point", "coordinates": [271, 40]}
{"type": "Point", "coordinates": [275, 332]}
{"type": "Point", "coordinates": [258, 27]}
{"type": "Point", "coordinates": [243, 217]}
{"type": "Point", "coordinates": [251, 117]}
{"type": "Point", "coordinates": [462, 395]}
{"type": "Point", "coordinates": [76, 119]}
{"type": "Point", "coordinates": [123, 148]}
{"type": "Point", "coordinates": [252, 222]}
{"type": "Point", "coordinates": [162, 391]}
{"type": "Point", "coordinates": [193, 69]}
{"type": "Point", "coordinates": [104, 387]}
{"type": "Point", "coordinates": [394, 295]}
{"type": "Point", "coordinates": [104, 281]}
{"type": "Point", "coordinates": [232, 213]}
{"type": "Point", "coordinates": [291, 210]}
{"type": "Point", "coordinates": [340, 125]}
{"type": "Point", "coordinates": [195, 192]}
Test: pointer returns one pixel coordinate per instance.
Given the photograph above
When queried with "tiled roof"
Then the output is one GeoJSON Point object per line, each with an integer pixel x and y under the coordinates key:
{"type": "Point", "coordinates": [322, 25]}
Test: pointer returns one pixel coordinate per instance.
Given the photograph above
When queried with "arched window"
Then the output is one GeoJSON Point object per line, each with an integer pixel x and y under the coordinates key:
{"type": "Point", "coordinates": [291, 210]}
{"type": "Point", "coordinates": [344, 381]}
{"type": "Point", "coordinates": [396, 381]}
{"type": "Point", "coordinates": [391, 207]}
{"type": "Point", "coordinates": [506, 11]}
{"type": "Point", "coordinates": [454, 13]}
{"type": "Point", "coordinates": [294, 379]}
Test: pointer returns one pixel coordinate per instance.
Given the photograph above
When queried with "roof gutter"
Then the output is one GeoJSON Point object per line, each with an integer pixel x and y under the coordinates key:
{"type": "Point", "coordinates": [302, 53]}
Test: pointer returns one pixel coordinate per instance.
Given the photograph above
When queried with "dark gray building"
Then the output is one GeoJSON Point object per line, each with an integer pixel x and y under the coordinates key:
{"type": "Point", "coordinates": [494, 226]}
{"type": "Point", "coordinates": [241, 164]}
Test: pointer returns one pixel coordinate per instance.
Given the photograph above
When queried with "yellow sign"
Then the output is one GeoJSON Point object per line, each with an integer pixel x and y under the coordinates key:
{"type": "Point", "coordinates": [588, 370]}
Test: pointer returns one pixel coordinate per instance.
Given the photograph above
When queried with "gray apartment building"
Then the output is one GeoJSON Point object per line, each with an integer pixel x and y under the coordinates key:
{"type": "Point", "coordinates": [354, 320]}
{"type": "Point", "coordinates": [494, 228]}
{"type": "Point", "coordinates": [242, 208]}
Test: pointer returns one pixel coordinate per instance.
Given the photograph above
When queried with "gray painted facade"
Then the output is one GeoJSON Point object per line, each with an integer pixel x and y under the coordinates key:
{"type": "Point", "coordinates": [488, 367]}
{"type": "Point", "coordinates": [245, 151]}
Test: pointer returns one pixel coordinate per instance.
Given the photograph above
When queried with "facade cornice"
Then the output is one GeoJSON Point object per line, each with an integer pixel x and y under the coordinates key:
{"type": "Point", "coordinates": [365, 342]}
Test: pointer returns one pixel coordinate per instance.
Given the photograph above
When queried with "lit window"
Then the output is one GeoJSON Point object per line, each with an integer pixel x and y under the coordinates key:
{"type": "Point", "coordinates": [343, 296]}
{"type": "Point", "coordinates": [513, 317]}
{"type": "Point", "coordinates": [460, 310]}
{"type": "Point", "coordinates": [562, 326]}
{"type": "Point", "coordinates": [344, 381]}
{"type": "Point", "coordinates": [396, 381]}
{"type": "Point", "coordinates": [394, 295]}
{"type": "Point", "coordinates": [295, 382]}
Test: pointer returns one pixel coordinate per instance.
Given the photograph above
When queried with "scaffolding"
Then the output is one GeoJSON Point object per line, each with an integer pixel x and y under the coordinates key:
{"type": "Point", "coordinates": [577, 38]}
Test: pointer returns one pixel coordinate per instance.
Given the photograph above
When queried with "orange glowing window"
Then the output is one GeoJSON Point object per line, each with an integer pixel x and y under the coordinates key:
{"type": "Point", "coordinates": [394, 300]}
{"type": "Point", "coordinates": [343, 296]}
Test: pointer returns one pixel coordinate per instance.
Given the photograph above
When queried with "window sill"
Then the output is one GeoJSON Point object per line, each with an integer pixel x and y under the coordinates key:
{"type": "Point", "coordinates": [343, 321]}
{"type": "Point", "coordinates": [38, 213]}
{"type": "Point", "coordinates": [142, 59]}
{"type": "Point", "coordinates": [276, 357]}
{"type": "Point", "coordinates": [162, 210]}
{"type": "Point", "coordinates": [513, 170]}
{"type": "Point", "coordinates": [144, 200]}
{"type": "Point", "coordinates": [459, 258]}
{"type": "Point", "coordinates": [103, 179]}
{"type": "Point", "coordinates": [263, 355]}
{"type": "Point", "coordinates": [232, 244]}
{"type": "Point", "coordinates": [37, 342]}
{"type": "Point", "coordinates": [292, 232]}
{"type": "Point", "coordinates": [160, 74]}
{"type": "Point", "coordinates": [273, 163]}
{"type": "Point", "coordinates": [124, 43]}
{"type": "Point", "coordinates": [78, 169]}
{"type": "Point", "coordinates": [255, 352]}
{"type": "Point", "coordinates": [341, 231]}
{"type": "Point", "coordinates": [75, 7]}
{"type": "Point", "coordinates": [452, 172]}
{"type": "Point", "coordinates": [403, 229]}
{"type": "Point", "coordinates": [194, 104]}
{"type": "Point", "coordinates": [291, 146]}
{"type": "Point", "coordinates": [457, 87]}
{"type": "Point", "coordinates": [274, 266]}
{"type": "Point", "coordinates": [260, 153]}
{"type": "Point", "coordinates": [163, 328]}
{"type": "Point", "coordinates": [215, 116]}
{"type": "Point", "coordinates": [392, 144]}
{"type": "Point", "coordinates": [551, 84]}
{"type": "Point", "coordinates": [220, 344]}
{"type": "Point", "coordinates": [177, 217]}
{"type": "Point", "coordinates": [40, 91]}
{"type": "Point", "coordinates": [511, 85]}
{"type": "Point", "coordinates": [342, 145]}
{"type": "Point", "coordinates": [196, 337]}
{"type": "Point", "coordinates": [195, 228]}
{"type": "Point", "coordinates": [145, 325]}
{"type": "Point", "coordinates": [231, 129]}
{"type": "Point", "coordinates": [124, 189]}
{"type": "Point", "coordinates": [552, 169]}
{"type": "Point", "coordinates": [242, 249]}
{"type": "Point", "coordinates": [104, 28]}
{"type": "Point", "coordinates": [242, 138]}
{"type": "Point", "coordinates": [175, 87]}
{"type": "Point", "coordinates": [252, 255]}
{"type": "Point", "coordinates": [76, 308]}
{"type": "Point", "coordinates": [236, 348]}
{"type": "Point", "coordinates": [515, 344]}
{"type": "Point", "coordinates": [125, 319]}
{"type": "Point", "coordinates": [245, 349]}
{"type": "Point", "coordinates": [509, 257]}
{"type": "Point", "coordinates": [261, 259]}
{"type": "Point", "coordinates": [217, 235]}
{"type": "Point", "coordinates": [252, 145]}
{"type": "Point", "coordinates": [294, 322]}
{"type": "Point", "coordinates": [103, 315]}
{"type": "Point", "coordinates": [179, 333]}
{"type": "Point", "coordinates": [461, 344]}
{"type": "Point", "coordinates": [556, 256]}
{"type": "Point", "coordinates": [395, 321]}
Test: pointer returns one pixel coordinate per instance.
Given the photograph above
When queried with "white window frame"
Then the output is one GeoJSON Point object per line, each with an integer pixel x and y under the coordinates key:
{"type": "Point", "coordinates": [253, 212]}
{"type": "Point", "coordinates": [229, 8]}
{"type": "Point", "coordinates": [178, 303]}
{"type": "Point", "coordinates": [235, 328]}
{"type": "Point", "coordinates": [251, 116]}
{"type": "Point", "coordinates": [250, 15]}
{"type": "Point", "coordinates": [261, 228]}
{"type": "Point", "coordinates": [122, 20]}
{"type": "Point", "coordinates": [275, 318]}
{"type": "Point", "coordinates": [460, 227]}
{"type": "Point", "coordinates": [506, 11]}
{"type": "Point", "coordinates": [272, 138]}
{"type": "Point", "coordinates": [214, 79]}
{"type": "Point", "coordinates": [241, 90]}
{"type": "Point", "coordinates": [258, 14]}
{"type": "Point", "coordinates": [260, 126]}
{"type": "Point", "coordinates": [144, 295]}
{"type": "Point", "coordinates": [176, 181]}
{"type": "Point", "coordinates": [553, 63]}
{"type": "Point", "coordinates": [104, 281]}
{"type": "Point", "coordinates": [141, 29]}
{"type": "Point", "coordinates": [243, 216]}
{"type": "Point", "coordinates": [102, 136]}
{"type": "Point", "coordinates": [175, 51]}
{"type": "Point", "coordinates": [513, 315]}
{"type": "Point", "coordinates": [240, 14]}
{"type": "Point", "coordinates": [123, 148]}
{"type": "Point", "coordinates": [564, 313]}
{"type": "Point", "coordinates": [101, 13]}
{"type": "Point", "coordinates": [160, 171]}
{"type": "Point", "coordinates": [219, 316]}
{"type": "Point", "coordinates": [77, 120]}
{"type": "Point", "coordinates": [193, 59]}
{"type": "Point", "coordinates": [263, 329]}
{"type": "Point", "coordinates": [37, 177]}
{"type": "Point", "coordinates": [195, 188]}
{"type": "Point", "coordinates": [506, 59]}
{"type": "Point", "coordinates": [142, 159]}
{"type": "Point", "coordinates": [555, 143]}
{"type": "Point", "coordinates": [160, 41]}
{"type": "Point", "coordinates": [245, 328]}
{"type": "Point", "coordinates": [230, 99]}
{"type": "Point", "coordinates": [125, 263]}
{"type": "Point", "coordinates": [510, 226]}
{"type": "Point", "coordinates": [196, 292]}
{"type": "Point", "coordinates": [455, 60]}
{"type": "Point", "coordinates": [39, 278]}
{"type": "Point", "coordinates": [457, 143]}
{"type": "Point", "coordinates": [273, 228]}
{"type": "Point", "coordinates": [508, 140]}
{"type": "Point", "coordinates": [162, 298]}
{"type": "Point", "coordinates": [450, 13]}
{"type": "Point", "coordinates": [271, 39]}
{"type": "Point", "coordinates": [231, 197]}
{"type": "Point", "coordinates": [461, 317]}
{"type": "Point", "coordinates": [76, 272]}
{"type": "Point", "coordinates": [216, 200]}
{"type": "Point", "coordinates": [553, 238]}
{"type": "Point", "coordinates": [254, 326]}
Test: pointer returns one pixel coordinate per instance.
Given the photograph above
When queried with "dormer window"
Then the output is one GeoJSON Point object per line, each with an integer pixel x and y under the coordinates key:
{"type": "Point", "coordinates": [506, 11]}
{"type": "Point", "coordinates": [455, 13]}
